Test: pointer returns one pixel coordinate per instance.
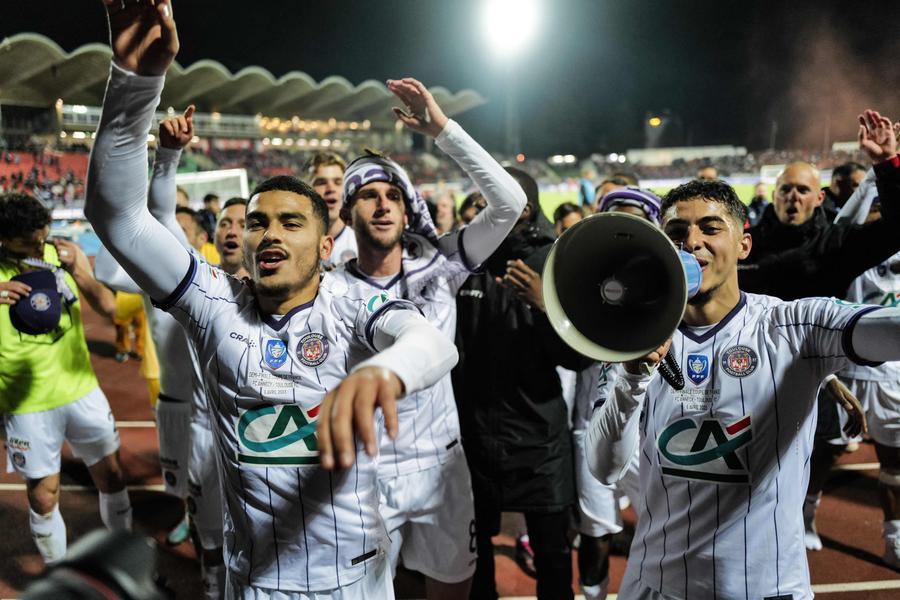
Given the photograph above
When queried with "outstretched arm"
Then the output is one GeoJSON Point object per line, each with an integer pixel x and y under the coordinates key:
{"type": "Point", "coordinates": [144, 43]}
{"type": "Point", "coordinates": [412, 355]}
{"type": "Point", "coordinates": [505, 197]}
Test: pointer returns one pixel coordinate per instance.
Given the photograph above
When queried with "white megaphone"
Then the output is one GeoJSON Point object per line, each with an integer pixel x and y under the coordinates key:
{"type": "Point", "coordinates": [615, 287]}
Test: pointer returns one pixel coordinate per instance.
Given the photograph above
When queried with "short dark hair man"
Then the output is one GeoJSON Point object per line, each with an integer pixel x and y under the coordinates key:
{"type": "Point", "coordinates": [48, 390]}
{"type": "Point", "coordinates": [723, 461]}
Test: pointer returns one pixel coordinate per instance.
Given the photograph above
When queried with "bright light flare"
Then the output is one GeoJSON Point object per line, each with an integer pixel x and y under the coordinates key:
{"type": "Point", "coordinates": [510, 25]}
{"type": "Point", "coordinates": [654, 122]}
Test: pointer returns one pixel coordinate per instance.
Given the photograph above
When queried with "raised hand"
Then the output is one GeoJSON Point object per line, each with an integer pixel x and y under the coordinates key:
{"type": "Point", "coordinates": [142, 35]}
{"type": "Point", "coordinates": [177, 132]}
{"type": "Point", "coordinates": [422, 114]}
{"type": "Point", "coordinates": [349, 411]}
{"type": "Point", "coordinates": [877, 136]}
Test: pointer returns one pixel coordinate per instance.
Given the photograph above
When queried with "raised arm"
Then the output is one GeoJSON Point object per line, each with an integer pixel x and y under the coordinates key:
{"type": "Point", "coordinates": [144, 42]}
{"type": "Point", "coordinates": [505, 197]}
{"type": "Point", "coordinates": [174, 134]}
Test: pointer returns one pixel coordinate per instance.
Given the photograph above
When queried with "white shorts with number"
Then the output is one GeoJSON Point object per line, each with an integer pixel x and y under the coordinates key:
{"type": "Point", "coordinates": [204, 495]}
{"type": "Point", "coordinates": [375, 585]}
{"type": "Point", "coordinates": [34, 440]}
{"type": "Point", "coordinates": [598, 504]}
{"type": "Point", "coordinates": [881, 401]}
{"type": "Point", "coordinates": [430, 517]}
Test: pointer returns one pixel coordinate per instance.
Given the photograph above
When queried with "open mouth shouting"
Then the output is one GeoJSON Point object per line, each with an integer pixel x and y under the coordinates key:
{"type": "Point", "coordinates": [270, 259]}
{"type": "Point", "coordinates": [231, 247]}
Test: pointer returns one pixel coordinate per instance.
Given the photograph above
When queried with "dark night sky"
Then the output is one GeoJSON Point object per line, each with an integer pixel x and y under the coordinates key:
{"type": "Point", "coordinates": [724, 70]}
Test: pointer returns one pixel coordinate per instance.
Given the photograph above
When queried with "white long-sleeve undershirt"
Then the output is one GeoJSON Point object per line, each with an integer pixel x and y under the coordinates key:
{"type": "Point", "coordinates": [504, 196]}
{"type": "Point", "coordinates": [116, 201]}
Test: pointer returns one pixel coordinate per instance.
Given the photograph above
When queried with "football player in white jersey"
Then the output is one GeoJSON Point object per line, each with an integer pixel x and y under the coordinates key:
{"type": "Point", "coordinates": [275, 350]}
{"type": "Point", "coordinates": [426, 491]}
{"type": "Point", "coordinates": [724, 461]}
{"type": "Point", "coordinates": [878, 388]}
{"type": "Point", "coordinates": [186, 449]}
{"type": "Point", "coordinates": [325, 173]}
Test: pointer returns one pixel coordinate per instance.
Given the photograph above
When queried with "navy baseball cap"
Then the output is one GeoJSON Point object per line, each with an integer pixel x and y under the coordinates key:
{"type": "Point", "coordinates": [40, 311]}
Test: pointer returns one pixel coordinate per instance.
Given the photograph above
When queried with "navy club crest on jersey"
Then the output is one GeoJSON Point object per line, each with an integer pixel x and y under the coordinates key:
{"type": "Point", "coordinates": [739, 361]}
{"type": "Point", "coordinates": [697, 368]}
{"type": "Point", "coordinates": [312, 349]}
{"type": "Point", "coordinates": [704, 449]}
{"type": "Point", "coordinates": [275, 353]}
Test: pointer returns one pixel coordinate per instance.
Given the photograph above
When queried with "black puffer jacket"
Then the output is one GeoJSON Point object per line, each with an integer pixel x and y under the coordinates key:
{"type": "Point", "coordinates": [513, 418]}
{"type": "Point", "coordinates": [820, 258]}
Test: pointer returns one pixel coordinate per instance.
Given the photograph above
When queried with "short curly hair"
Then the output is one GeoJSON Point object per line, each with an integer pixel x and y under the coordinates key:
{"type": "Point", "coordinates": [711, 190]}
{"type": "Point", "coordinates": [21, 215]}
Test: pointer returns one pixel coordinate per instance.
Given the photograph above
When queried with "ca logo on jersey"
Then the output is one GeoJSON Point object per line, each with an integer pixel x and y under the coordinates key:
{"type": "Point", "coordinates": [698, 368]}
{"type": "Point", "coordinates": [278, 435]}
{"type": "Point", "coordinates": [275, 354]}
{"type": "Point", "coordinates": [703, 449]}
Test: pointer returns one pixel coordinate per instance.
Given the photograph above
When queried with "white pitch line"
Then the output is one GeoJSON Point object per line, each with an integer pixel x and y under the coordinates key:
{"type": "Point", "coordinates": [134, 424]}
{"type": "Point", "coordinates": [857, 467]}
{"type": "Point", "coordinates": [857, 586]}
{"type": "Point", "coordinates": [822, 588]}
{"type": "Point", "coordinates": [20, 487]}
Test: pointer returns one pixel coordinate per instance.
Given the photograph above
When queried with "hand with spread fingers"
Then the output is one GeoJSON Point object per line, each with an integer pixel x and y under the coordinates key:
{"type": "Point", "coordinates": [877, 136]}
{"type": "Point", "coordinates": [348, 411]}
{"type": "Point", "coordinates": [143, 36]}
{"type": "Point", "coordinates": [422, 114]}
{"type": "Point", "coordinates": [177, 132]}
{"type": "Point", "coordinates": [13, 291]}
{"type": "Point", "coordinates": [526, 282]}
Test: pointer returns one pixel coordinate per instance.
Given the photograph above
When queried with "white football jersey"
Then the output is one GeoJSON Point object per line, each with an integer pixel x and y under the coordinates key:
{"type": "Point", "coordinates": [180, 375]}
{"type": "Point", "coordinates": [289, 525]}
{"type": "Point", "coordinates": [724, 462]}
{"type": "Point", "coordinates": [428, 421]}
{"type": "Point", "coordinates": [879, 285]}
{"type": "Point", "coordinates": [592, 387]}
{"type": "Point", "coordinates": [344, 248]}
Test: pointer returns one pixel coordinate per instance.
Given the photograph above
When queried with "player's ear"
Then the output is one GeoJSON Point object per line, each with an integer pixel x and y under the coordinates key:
{"type": "Point", "coordinates": [745, 245]}
{"type": "Point", "coordinates": [326, 245]}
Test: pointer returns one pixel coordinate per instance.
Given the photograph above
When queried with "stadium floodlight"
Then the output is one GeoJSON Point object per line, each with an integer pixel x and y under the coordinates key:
{"type": "Point", "coordinates": [510, 25]}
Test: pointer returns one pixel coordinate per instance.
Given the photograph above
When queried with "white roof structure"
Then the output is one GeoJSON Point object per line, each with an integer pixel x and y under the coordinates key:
{"type": "Point", "coordinates": [35, 71]}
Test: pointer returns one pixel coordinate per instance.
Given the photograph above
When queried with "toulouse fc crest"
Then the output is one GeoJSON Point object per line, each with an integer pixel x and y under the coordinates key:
{"type": "Point", "coordinates": [698, 368]}
{"type": "Point", "coordinates": [312, 349]}
{"type": "Point", "coordinates": [739, 361]}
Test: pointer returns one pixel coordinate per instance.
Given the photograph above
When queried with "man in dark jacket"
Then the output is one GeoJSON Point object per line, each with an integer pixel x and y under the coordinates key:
{"type": "Point", "coordinates": [513, 418]}
{"type": "Point", "coordinates": [798, 252]}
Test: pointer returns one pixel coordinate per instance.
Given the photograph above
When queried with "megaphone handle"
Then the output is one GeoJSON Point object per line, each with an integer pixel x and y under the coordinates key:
{"type": "Point", "coordinates": [671, 372]}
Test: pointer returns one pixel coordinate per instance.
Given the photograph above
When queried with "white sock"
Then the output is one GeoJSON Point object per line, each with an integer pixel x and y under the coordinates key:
{"type": "Point", "coordinates": [892, 529]}
{"type": "Point", "coordinates": [596, 592]}
{"type": "Point", "coordinates": [49, 534]}
{"type": "Point", "coordinates": [115, 510]}
{"type": "Point", "coordinates": [214, 582]}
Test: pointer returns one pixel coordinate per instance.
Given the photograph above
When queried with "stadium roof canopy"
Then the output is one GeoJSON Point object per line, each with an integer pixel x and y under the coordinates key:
{"type": "Point", "coordinates": [35, 71]}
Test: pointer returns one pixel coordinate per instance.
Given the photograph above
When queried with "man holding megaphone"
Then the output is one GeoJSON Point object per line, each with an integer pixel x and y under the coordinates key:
{"type": "Point", "coordinates": [723, 460]}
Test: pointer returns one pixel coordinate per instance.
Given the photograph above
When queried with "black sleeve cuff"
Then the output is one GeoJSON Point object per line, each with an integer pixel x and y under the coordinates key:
{"type": "Point", "coordinates": [175, 296]}
{"type": "Point", "coordinates": [847, 338]}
